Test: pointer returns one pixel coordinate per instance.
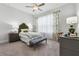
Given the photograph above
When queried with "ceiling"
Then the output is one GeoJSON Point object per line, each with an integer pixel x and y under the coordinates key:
{"type": "Point", "coordinates": [46, 7]}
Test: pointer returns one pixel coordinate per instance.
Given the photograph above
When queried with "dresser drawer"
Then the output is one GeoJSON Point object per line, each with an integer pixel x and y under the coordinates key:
{"type": "Point", "coordinates": [68, 52]}
{"type": "Point", "coordinates": [71, 44]}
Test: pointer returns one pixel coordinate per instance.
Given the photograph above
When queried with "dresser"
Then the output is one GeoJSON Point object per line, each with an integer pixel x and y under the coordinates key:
{"type": "Point", "coordinates": [69, 46]}
{"type": "Point", "coordinates": [13, 37]}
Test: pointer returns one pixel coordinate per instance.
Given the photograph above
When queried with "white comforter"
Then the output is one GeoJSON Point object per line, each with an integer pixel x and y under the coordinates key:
{"type": "Point", "coordinates": [27, 36]}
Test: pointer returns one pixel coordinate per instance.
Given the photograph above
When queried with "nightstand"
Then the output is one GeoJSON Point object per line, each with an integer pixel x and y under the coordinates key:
{"type": "Point", "coordinates": [13, 37]}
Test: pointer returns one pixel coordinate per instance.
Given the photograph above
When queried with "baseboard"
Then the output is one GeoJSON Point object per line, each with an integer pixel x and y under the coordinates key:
{"type": "Point", "coordinates": [3, 41]}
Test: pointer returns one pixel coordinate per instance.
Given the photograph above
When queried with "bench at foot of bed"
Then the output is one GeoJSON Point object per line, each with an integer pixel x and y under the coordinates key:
{"type": "Point", "coordinates": [37, 41]}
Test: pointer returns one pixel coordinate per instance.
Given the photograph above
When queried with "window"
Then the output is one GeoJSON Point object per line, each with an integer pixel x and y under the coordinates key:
{"type": "Point", "coordinates": [45, 24]}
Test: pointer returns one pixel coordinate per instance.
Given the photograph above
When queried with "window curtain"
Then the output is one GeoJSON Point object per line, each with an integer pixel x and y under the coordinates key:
{"type": "Point", "coordinates": [47, 25]}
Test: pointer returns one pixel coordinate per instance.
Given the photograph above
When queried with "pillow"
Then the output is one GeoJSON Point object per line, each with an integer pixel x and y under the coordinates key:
{"type": "Point", "coordinates": [24, 30]}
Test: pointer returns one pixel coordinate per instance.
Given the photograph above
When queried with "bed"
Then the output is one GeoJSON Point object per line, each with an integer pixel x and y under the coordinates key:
{"type": "Point", "coordinates": [31, 38]}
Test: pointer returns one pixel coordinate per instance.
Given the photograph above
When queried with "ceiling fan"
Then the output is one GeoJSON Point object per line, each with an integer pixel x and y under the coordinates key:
{"type": "Point", "coordinates": [36, 6]}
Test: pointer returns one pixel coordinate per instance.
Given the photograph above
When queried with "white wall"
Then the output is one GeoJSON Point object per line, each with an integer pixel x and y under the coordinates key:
{"type": "Point", "coordinates": [66, 11]}
{"type": "Point", "coordinates": [77, 12]}
{"type": "Point", "coordinates": [4, 29]}
{"type": "Point", "coordinates": [9, 16]}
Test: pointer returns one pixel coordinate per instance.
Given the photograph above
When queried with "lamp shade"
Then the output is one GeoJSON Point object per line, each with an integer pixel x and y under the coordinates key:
{"type": "Point", "coordinates": [71, 20]}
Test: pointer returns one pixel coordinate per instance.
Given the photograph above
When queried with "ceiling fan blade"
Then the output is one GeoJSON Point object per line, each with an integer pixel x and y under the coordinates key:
{"type": "Point", "coordinates": [39, 9]}
{"type": "Point", "coordinates": [41, 4]}
{"type": "Point", "coordinates": [29, 6]}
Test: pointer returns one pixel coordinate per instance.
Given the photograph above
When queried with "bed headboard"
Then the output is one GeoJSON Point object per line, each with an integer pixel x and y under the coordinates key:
{"type": "Point", "coordinates": [22, 26]}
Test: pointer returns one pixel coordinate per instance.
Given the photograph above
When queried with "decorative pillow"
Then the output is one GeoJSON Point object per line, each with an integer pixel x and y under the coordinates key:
{"type": "Point", "coordinates": [24, 30]}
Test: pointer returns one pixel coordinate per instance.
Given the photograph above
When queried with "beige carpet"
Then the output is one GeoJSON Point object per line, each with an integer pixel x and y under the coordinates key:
{"type": "Point", "coordinates": [21, 49]}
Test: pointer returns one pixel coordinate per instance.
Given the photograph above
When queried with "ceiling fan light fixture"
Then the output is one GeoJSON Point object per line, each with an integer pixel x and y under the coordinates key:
{"type": "Point", "coordinates": [35, 8]}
